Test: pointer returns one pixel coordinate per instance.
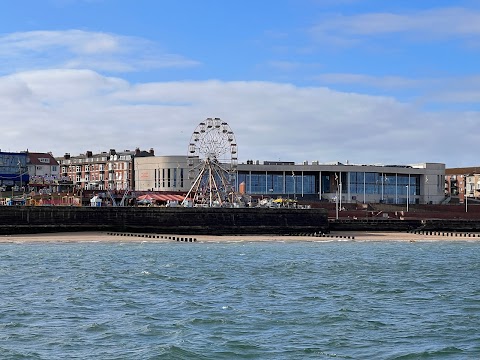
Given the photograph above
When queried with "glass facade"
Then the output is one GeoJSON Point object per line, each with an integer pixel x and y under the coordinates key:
{"type": "Point", "coordinates": [278, 183]}
{"type": "Point", "coordinates": [386, 187]}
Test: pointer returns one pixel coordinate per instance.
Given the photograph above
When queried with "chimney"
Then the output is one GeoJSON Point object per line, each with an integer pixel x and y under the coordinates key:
{"type": "Point", "coordinates": [112, 152]}
{"type": "Point", "coordinates": [66, 156]}
{"type": "Point", "coordinates": [137, 151]}
{"type": "Point", "coordinates": [151, 151]}
{"type": "Point", "coordinates": [89, 154]}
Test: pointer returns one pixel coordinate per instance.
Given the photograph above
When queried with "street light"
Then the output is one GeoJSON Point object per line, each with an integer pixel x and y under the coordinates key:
{"type": "Point", "coordinates": [407, 197]}
{"type": "Point", "coordinates": [336, 197]}
{"type": "Point", "coordinates": [294, 185]}
{"type": "Point", "coordinates": [466, 197]}
{"type": "Point", "coordinates": [20, 172]}
{"type": "Point", "coordinates": [427, 189]}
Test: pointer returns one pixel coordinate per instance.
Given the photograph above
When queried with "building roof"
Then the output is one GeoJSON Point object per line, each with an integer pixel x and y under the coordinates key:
{"type": "Point", "coordinates": [463, 170]}
{"type": "Point", "coordinates": [41, 159]}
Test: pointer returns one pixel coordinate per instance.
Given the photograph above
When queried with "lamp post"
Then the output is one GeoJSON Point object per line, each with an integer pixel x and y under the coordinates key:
{"type": "Point", "coordinates": [466, 203]}
{"type": "Point", "coordinates": [407, 197]}
{"type": "Point", "coordinates": [340, 194]}
{"type": "Point", "coordinates": [427, 190]}
{"type": "Point", "coordinates": [466, 197]}
{"type": "Point", "coordinates": [336, 197]}
{"type": "Point", "coordinates": [294, 185]}
{"type": "Point", "coordinates": [20, 173]}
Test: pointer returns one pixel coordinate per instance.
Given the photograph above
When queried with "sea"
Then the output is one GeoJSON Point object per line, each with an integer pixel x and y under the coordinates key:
{"type": "Point", "coordinates": [240, 300]}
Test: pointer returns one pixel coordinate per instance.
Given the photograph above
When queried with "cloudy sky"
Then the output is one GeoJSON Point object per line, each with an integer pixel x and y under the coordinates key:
{"type": "Point", "coordinates": [368, 81]}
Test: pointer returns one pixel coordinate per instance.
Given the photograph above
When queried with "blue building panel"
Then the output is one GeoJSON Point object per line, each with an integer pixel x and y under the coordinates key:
{"type": "Point", "coordinates": [13, 169]}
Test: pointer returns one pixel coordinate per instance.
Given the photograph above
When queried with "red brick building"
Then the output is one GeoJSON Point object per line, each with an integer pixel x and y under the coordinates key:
{"type": "Point", "coordinates": [104, 171]}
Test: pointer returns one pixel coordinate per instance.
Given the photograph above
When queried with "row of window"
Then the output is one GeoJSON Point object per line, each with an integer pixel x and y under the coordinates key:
{"type": "Point", "coordinates": [96, 167]}
{"type": "Point", "coordinates": [96, 159]}
{"type": "Point", "coordinates": [277, 183]}
{"type": "Point", "coordinates": [170, 177]}
{"type": "Point", "coordinates": [353, 182]}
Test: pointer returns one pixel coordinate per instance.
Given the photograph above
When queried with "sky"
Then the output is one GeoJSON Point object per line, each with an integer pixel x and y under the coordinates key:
{"type": "Point", "coordinates": [363, 81]}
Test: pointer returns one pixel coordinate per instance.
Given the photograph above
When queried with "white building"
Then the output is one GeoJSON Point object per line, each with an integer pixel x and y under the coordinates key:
{"type": "Point", "coordinates": [162, 173]}
{"type": "Point", "coordinates": [42, 165]}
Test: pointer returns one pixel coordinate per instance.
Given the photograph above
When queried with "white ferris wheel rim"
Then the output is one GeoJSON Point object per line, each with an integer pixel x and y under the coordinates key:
{"type": "Point", "coordinates": [213, 139]}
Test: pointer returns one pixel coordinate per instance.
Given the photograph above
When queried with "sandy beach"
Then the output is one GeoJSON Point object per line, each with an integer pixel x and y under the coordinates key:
{"type": "Point", "coordinates": [95, 237]}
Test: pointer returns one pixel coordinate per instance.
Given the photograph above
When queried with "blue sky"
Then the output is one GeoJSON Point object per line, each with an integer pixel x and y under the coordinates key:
{"type": "Point", "coordinates": [329, 80]}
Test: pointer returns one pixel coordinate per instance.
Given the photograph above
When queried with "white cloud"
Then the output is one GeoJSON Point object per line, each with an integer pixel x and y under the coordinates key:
{"type": "Point", "coordinates": [369, 80]}
{"type": "Point", "coordinates": [75, 111]}
{"type": "Point", "coordinates": [441, 23]}
{"type": "Point", "coordinates": [440, 91]}
{"type": "Point", "coordinates": [83, 49]}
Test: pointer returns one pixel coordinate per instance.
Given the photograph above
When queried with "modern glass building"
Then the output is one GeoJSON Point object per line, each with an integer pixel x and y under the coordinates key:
{"type": "Point", "coordinates": [392, 184]}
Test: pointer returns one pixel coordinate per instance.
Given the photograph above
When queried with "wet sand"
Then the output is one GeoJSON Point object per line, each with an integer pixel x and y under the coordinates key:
{"type": "Point", "coordinates": [95, 237]}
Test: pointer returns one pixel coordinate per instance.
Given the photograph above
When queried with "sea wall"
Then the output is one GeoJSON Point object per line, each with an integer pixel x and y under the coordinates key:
{"type": "Point", "coordinates": [374, 225]}
{"type": "Point", "coordinates": [451, 225]}
{"type": "Point", "coordinates": [214, 221]}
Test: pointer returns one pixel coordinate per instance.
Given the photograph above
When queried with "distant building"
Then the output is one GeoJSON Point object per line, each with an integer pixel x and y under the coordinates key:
{"type": "Point", "coordinates": [13, 170]}
{"type": "Point", "coordinates": [44, 173]}
{"type": "Point", "coordinates": [461, 182]}
{"type": "Point", "coordinates": [104, 171]}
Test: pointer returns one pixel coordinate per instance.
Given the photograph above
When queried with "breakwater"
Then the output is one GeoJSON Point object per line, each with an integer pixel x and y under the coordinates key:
{"type": "Point", "coordinates": [213, 221]}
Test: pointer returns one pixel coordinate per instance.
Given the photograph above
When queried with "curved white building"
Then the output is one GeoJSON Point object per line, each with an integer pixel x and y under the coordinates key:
{"type": "Point", "coordinates": [162, 173]}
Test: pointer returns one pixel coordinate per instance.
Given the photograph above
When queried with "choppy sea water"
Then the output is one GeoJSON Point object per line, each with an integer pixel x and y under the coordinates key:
{"type": "Point", "coordinates": [305, 300]}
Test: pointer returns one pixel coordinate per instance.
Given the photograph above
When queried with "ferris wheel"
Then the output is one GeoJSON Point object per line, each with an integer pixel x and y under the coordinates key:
{"type": "Point", "coordinates": [212, 160]}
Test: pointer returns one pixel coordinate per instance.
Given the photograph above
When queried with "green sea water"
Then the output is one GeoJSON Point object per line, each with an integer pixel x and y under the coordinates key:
{"type": "Point", "coordinates": [240, 300]}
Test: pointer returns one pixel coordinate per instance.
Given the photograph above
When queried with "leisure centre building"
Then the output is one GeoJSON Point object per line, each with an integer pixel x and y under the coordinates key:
{"type": "Point", "coordinates": [392, 184]}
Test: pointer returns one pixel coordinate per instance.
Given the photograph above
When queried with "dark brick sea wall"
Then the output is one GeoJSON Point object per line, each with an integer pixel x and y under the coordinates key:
{"type": "Point", "coordinates": [214, 221]}
{"type": "Point", "coordinates": [450, 225]}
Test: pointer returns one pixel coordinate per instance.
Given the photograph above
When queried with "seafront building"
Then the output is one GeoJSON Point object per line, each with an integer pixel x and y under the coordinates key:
{"type": "Point", "coordinates": [463, 183]}
{"type": "Point", "coordinates": [349, 183]}
{"type": "Point", "coordinates": [13, 170]}
{"type": "Point", "coordinates": [44, 174]}
{"type": "Point", "coordinates": [162, 173]}
{"type": "Point", "coordinates": [104, 171]}
{"type": "Point", "coordinates": [142, 171]}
